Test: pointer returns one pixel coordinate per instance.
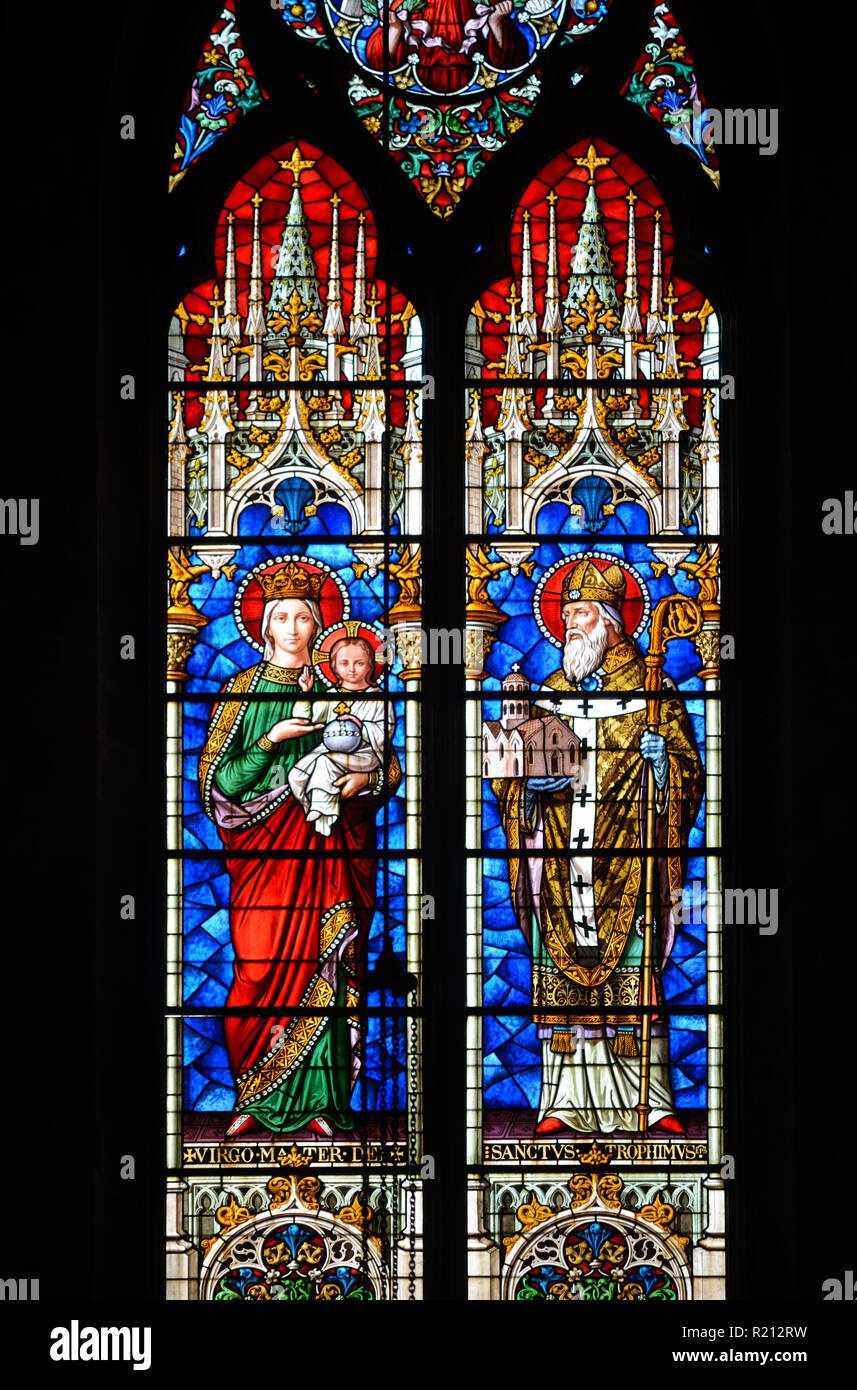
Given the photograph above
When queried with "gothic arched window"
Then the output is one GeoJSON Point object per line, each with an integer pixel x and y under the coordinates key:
{"type": "Point", "coordinates": [441, 307]}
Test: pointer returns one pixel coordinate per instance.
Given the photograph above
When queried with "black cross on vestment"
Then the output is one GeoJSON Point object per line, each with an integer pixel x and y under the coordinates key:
{"type": "Point", "coordinates": [580, 837]}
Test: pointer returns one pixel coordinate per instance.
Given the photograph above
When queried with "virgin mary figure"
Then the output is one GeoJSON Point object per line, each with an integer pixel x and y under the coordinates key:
{"type": "Point", "coordinates": [299, 919]}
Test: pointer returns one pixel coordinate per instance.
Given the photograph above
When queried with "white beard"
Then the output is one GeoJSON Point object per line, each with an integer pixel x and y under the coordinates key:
{"type": "Point", "coordinates": [584, 653]}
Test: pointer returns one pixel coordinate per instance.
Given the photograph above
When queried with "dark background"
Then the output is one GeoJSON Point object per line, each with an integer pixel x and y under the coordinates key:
{"type": "Point", "coordinates": [89, 288]}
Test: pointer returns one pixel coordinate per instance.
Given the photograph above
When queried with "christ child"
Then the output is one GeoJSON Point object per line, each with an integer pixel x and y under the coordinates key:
{"type": "Point", "coordinates": [354, 733]}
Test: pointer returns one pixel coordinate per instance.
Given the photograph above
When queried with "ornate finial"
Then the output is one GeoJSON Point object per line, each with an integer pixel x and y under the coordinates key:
{"type": "Point", "coordinates": [553, 197]}
{"type": "Point", "coordinates": [216, 300]}
{"type": "Point", "coordinates": [227, 1217]}
{"type": "Point", "coordinates": [296, 165]}
{"type": "Point", "coordinates": [530, 1214]}
{"type": "Point", "coordinates": [293, 1159]}
{"type": "Point", "coordinates": [291, 1190]}
{"type": "Point", "coordinates": [593, 1155]}
{"type": "Point", "coordinates": [230, 217]}
{"type": "Point", "coordinates": [658, 1213]}
{"type": "Point", "coordinates": [257, 200]}
{"type": "Point", "coordinates": [361, 218]}
{"type": "Point", "coordinates": [295, 317]}
{"type": "Point", "coordinates": [359, 1215]}
{"type": "Point", "coordinates": [631, 197]}
{"type": "Point", "coordinates": [657, 214]}
{"type": "Point", "coordinates": [526, 214]}
{"type": "Point", "coordinates": [704, 569]}
{"type": "Point", "coordinates": [513, 297]}
{"type": "Point", "coordinates": [670, 297]}
{"type": "Point", "coordinates": [591, 161]}
{"type": "Point", "coordinates": [595, 313]}
{"type": "Point", "coordinates": [335, 200]}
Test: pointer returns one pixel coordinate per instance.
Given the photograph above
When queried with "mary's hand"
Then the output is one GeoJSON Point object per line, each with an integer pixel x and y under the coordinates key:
{"type": "Point", "coordinates": [352, 783]}
{"type": "Point", "coordinates": [291, 728]}
{"type": "Point", "coordinates": [305, 680]}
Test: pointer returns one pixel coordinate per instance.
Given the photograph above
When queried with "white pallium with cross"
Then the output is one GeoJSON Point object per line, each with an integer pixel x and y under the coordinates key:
{"type": "Point", "coordinates": [582, 713]}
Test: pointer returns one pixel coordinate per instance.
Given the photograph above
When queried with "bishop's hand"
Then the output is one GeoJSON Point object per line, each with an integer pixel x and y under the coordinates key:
{"type": "Point", "coordinates": [654, 749]}
{"type": "Point", "coordinates": [548, 784]}
{"type": "Point", "coordinates": [534, 785]}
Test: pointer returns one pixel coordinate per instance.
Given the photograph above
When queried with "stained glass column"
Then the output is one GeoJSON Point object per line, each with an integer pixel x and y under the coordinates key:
{"type": "Point", "coordinates": [593, 741]}
{"type": "Point", "coordinates": [293, 743]}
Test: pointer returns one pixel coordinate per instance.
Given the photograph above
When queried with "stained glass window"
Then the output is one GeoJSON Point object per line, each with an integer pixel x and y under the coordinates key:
{"type": "Point", "coordinates": [293, 751]}
{"type": "Point", "coordinates": [336, 432]}
{"type": "Point", "coordinates": [593, 729]}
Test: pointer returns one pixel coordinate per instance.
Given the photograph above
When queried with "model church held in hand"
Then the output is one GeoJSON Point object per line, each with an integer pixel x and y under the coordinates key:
{"type": "Point", "coordinates": [517, 746]}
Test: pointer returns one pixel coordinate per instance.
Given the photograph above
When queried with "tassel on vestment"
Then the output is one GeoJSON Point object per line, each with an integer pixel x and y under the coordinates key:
{"type": "Point", "coordinates": [625, 1043]}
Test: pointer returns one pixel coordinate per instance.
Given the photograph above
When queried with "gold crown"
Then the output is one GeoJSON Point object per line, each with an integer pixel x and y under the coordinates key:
{"type": "Point", "coordinates": [587, 582]}
{"type": "Point", "coordinates": [290, 581]}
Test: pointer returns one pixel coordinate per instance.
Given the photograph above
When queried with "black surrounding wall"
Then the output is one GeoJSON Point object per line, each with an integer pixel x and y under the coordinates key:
{"type": "Point", "coordinates": [97, 274]}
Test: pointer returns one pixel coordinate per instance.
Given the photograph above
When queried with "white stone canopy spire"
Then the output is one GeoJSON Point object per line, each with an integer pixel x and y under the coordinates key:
{"type": "Point", "coordinates": [231, 321]}
{"type": "Point", "coordinates": [529, 324]}
{"type": "Point", "coordinates": [255, 301]}
{"type": "Point", "coordinates": [655, 322]}
{"type": "Point", "coordinates": [592, 264]}
{"type": "Point", "coordinates": [334, 323]}
{"type": "Point", "coordinates": [631, 321]}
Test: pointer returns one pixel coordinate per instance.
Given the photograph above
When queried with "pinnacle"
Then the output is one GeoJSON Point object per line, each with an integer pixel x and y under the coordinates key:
{"type": "Point", "coordinates": [296, 269]}
{"type": "Point", "coordinates": [592, 265]}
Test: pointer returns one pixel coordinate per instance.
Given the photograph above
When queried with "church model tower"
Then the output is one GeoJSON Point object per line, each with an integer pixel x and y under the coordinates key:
{"type": "Point", "coordinates": [517, 746]}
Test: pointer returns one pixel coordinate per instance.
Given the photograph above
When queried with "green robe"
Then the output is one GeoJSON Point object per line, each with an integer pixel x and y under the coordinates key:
{"type": "Point", "coordinates": [240, 770]}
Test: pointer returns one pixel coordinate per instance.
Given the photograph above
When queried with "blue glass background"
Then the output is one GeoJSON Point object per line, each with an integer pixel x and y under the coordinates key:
{"type": "Point", "coordinates": [330, 519]}
{"type": "Point", "coordinates": [629, 519]}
